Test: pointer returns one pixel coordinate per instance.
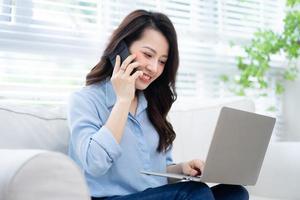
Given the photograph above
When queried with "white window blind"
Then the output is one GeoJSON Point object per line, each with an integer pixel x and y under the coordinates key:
{"type": "Point", "coordinates": [48, 46]}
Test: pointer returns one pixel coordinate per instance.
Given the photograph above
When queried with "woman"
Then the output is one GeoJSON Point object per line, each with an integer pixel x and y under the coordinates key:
{"type": "Point", "coordinates": [118, 121]}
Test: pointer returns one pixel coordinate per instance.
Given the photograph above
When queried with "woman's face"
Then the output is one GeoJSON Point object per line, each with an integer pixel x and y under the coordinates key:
{"type": "Point", "coordinates": [152, 53]}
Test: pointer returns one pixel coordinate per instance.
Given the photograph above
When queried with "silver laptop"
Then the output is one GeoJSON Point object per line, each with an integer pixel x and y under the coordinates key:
{"type": "Point", "coordinates": [237, 149]}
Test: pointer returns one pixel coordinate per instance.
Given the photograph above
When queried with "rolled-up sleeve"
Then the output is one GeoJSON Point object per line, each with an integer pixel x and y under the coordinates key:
{"type": "Point", "coordinates": [169, 158]}
{"type": "Point", "coordinates": [93, 144]}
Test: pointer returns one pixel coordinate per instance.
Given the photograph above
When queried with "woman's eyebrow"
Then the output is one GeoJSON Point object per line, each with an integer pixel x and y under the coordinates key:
{"type": "Point", "coordinates": [153, 50]}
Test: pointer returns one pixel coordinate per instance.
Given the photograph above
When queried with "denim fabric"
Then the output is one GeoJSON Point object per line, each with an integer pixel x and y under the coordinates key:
{"type": "Point", "coordinates": [187, 191]}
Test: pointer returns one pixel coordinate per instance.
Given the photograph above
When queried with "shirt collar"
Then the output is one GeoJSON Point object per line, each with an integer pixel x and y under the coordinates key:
{"type": "Point", "coordinates": [109, 94]}
{"type": "Point", "coordinates": [111, 98]}
{"type": "Point", "coordinates": [142, 103]}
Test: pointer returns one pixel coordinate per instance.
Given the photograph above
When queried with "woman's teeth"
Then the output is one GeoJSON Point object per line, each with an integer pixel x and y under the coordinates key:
{"type": "Point", "coordinates": [146, 77]}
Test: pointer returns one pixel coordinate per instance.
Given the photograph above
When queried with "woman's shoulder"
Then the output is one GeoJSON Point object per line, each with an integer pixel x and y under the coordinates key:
{"type": "Point", "coordinates": [96, 91]}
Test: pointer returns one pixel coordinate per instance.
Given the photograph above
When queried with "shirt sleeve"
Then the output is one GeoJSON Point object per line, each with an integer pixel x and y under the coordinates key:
{"type": "Point", "coordinates": [169, 158]}
{"type": "Point", "coordinates": [93, 144]}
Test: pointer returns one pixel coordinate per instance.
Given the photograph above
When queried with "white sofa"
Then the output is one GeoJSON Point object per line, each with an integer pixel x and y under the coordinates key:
{"type": "Point", "coordinates": [34, 140]}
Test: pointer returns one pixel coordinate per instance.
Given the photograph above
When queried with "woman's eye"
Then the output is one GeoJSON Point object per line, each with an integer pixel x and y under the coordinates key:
{"type": "Point", "coordinates": [148, 55]}
{"type": "Point", "coordinates": [162, 62]}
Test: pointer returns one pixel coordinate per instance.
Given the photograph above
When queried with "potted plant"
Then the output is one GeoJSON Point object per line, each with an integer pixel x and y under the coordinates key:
{"type": "Point", "coordinates": [254, 68]}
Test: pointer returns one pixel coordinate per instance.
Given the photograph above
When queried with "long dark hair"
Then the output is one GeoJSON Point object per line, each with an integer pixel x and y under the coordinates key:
{"type": "Point", "coordinates": [161, 93]}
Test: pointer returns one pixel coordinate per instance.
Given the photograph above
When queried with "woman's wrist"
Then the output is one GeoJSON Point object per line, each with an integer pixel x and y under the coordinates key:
{"type": "Point", "coordinates": [123, 102]}
{"type": "Point", "coordinates": [175, 168]}
{"type": "Point", "coordinates": [180, 166]}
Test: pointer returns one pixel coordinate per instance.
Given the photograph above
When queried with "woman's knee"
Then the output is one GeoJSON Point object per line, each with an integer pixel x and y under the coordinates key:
{"type": "Point", "coordinates": [192, 185]}
{"type": "Point", "coordinates": [224, 191]}
{"type": "Point", "coordinates": [197, 190]}
{"type": "Point", "coordinates": [242, 192]}
{"type": "Point", "coordinates": [245, 192]}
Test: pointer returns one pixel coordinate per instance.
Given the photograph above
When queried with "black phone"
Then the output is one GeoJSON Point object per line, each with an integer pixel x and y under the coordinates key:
{"type": "Point", "coordinates": [121, 50]}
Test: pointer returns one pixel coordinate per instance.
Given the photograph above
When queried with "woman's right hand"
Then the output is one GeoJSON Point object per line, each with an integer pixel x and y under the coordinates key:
{"type": "Point", "coordinates": [124, 83]}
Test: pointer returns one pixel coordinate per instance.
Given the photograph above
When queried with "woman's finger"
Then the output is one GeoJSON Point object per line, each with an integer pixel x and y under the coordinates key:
{"type": "Point", "coordinates": [117, 64]}
{"type": "Point", "coordinates": [194, 172]}
{"type": "Point", "coordinates": [131, 67]}
{"type": "Point", "coordinates": [136, 74]}
{"type": "Point", "coordinates": [127, 61]}
{"type": "Point", "coordinates": [199, 164]}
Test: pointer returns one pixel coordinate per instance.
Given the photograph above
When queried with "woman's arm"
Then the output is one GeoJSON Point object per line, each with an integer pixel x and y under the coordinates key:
{"type": "Point", "coordinates": [117, 119]}
{"type": "Point", "coordinates": [124, 86]}
{"type": "Point", "coordinates": [94, 141]}
{"type": "Point", "coordinates": [176, 169]}
{"type": "Point", "coordinates": [91, 143]}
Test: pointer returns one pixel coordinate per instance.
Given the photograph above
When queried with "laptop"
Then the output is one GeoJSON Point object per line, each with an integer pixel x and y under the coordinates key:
{"type": "Point", "coordinates": [236, 151]}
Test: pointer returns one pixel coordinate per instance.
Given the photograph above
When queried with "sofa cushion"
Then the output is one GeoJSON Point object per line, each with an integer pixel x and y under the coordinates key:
{"type": "Point", "coordinates": [33, 127]}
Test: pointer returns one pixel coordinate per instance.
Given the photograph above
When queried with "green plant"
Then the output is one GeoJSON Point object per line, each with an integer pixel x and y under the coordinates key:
{"type": "Point", "coordinates": [254, 68]}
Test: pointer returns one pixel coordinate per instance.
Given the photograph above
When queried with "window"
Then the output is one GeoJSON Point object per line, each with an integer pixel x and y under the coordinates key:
{"type": "Point", "coordinates": [48, 46]}
{"type": "Point", "coordinates": [6, 10]}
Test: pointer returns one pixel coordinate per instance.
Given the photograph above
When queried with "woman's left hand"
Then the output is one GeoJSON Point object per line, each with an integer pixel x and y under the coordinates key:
{"type": "Point", "coordinates": [193, 168]}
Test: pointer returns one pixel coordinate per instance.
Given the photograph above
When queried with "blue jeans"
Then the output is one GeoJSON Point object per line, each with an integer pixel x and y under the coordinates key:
{"type": "Point", "coordinates": [187, 191]}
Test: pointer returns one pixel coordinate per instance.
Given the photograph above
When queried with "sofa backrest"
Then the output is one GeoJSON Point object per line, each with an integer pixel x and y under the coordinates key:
{"type": "Point", "coordinates": [44, 127]}
{"type": "Point", "coordinates": [33, 127]}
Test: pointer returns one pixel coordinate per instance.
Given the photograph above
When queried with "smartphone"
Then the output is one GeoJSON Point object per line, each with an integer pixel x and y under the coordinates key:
{"type": "Point", "coordinates": [123, 51]}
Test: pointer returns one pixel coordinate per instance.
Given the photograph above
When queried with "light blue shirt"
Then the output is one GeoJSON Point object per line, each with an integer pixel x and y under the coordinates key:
{"type": "Point", "coordinates": [113, 168]}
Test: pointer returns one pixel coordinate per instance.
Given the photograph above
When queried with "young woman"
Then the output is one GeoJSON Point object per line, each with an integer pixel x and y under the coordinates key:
{"type": "Point", "coordinates": [118, 121]}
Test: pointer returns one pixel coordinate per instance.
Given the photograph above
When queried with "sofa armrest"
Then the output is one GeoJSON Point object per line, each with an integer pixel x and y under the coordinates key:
{"type": "Point", "coordinates": [280, 173]}
{"type": "Point", "coordinates": [37, 174]}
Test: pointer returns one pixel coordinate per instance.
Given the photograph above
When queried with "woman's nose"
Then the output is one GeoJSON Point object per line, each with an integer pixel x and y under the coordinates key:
{"type": "Point", "coordinates": [152, 66]}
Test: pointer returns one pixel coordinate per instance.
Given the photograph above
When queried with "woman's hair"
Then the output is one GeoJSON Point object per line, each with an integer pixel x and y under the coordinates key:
{"type": "Point", "coordinates": [161, 93]}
